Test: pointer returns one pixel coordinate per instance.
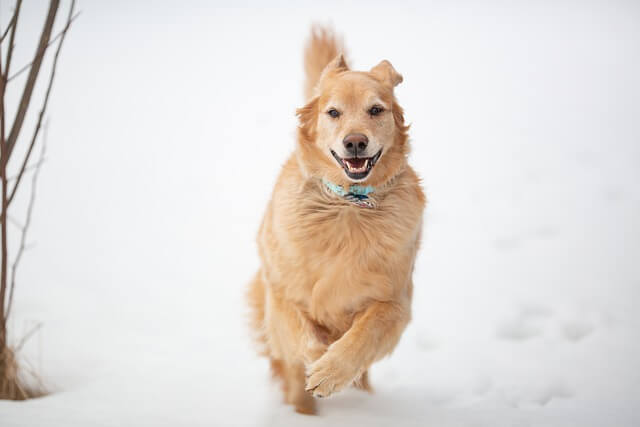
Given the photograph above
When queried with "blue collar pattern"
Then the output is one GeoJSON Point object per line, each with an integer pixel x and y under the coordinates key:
{"type": "Point", "coordinates": [357, 194]}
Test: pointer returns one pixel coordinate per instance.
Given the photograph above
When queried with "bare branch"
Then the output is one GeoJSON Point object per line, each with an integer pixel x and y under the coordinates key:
{"type": "Point", "coordinates": [27, 222]}
{"type": "Point", "coordinates": [6, 31]}
{"type": "Point", "coordinates": [52, 41]}
{"type": "Point", "coordinates": [11, 24]}
{"type": "Point", "coordinates": [16, 15]}
{"type": "Point", "coordinates": [44, 106]}
{"type": "Point", "coordinates": [10, 132]}
{"type": "Point", "coordinates": [15, 222]}
{"type": "Point", "coordinates": [27, 169]}
{"type": "Point", "coordinates": [31, 79]}
{"type": "Point", "coordinates": [3, 215]}
{"type": "Point", "coordinates": [26, 336]}
{"type": "Point", "coordinates": [28, 368]}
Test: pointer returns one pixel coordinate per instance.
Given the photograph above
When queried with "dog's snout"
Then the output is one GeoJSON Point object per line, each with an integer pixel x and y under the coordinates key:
{"type": "Point", "coordinates": [355, 143]}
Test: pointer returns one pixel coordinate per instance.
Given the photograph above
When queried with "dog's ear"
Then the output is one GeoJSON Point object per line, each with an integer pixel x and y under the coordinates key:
{"type": "Point", "coordinates": [337, 65]}
{"type": "Point", "coordinates": [307, 117]}
{"type": "Point", "coordinates": [385, 73]}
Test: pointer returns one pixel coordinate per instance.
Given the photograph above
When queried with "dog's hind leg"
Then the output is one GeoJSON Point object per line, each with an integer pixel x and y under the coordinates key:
{"type": "Point", "coordinates": [293, 380]}
{"type": "Point", "coordinates": [363, 383]}
{"type": "Point", "coordinates": [296, 394]}
{"type": "Point", "coordinates": [293, 342]}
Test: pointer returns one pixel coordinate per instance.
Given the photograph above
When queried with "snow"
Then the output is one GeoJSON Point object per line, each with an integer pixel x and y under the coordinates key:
{"type": "Point", "coordinates": [168, 124]}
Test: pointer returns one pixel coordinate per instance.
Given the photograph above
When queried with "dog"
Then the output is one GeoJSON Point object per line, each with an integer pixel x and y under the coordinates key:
{"type": "Point", "coordinates": [340, 234]}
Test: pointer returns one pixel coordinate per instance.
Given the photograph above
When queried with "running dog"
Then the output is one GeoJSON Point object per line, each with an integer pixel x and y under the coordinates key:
{"type": "Point", "coordinates": [340, 234]}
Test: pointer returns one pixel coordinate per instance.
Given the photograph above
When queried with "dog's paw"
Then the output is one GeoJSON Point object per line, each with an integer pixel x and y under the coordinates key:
{"type": "Point", "coordinates": [329, 375]}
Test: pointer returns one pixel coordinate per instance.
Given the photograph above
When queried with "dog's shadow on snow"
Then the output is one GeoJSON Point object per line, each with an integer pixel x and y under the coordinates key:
{"type": "Point", "coordinates": [406, 406]}
{"type": "Point", "coordinates": [399, 401]}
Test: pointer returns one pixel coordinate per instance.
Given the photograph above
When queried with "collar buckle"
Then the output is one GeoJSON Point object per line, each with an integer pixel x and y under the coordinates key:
{"type": "Point", "coordinates": [357, 194]}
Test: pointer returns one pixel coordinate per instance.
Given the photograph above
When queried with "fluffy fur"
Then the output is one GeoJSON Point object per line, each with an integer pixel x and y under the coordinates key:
{"type": "Point", "coordinates": [333, 293]}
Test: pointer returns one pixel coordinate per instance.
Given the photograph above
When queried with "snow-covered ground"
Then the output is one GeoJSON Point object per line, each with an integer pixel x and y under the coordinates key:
{"type": "Point", "coordinates": [168, 124]}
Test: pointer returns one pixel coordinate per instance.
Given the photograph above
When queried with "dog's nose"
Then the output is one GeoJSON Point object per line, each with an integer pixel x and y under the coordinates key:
{"type": "Point", "coordinates": [355, 143]}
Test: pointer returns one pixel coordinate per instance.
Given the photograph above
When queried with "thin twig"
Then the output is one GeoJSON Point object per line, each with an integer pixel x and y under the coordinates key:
{"type": "Point", "coordinates": [34, 391]}
{"type": "Point", "coordinates": [44, 106]}
{"type": "Point", "coordinates": [52, 41]}
{"type": "Point", "coordinates": [15, 222]}
{"type": "Point", "coordinates": [6, 31]}
{"type": "Point", "coordinates": [3, 215]}
{"type": "Point", "coordinates": [31, 78]}
{"type": "Point", "coordinates": [16, 14]}
{"type": "Point", "coordinates": [26, 337]}
{"type": "Point", "coordinates": [27, 169]}
{"type": "Point", "coordinates": [27, 222]}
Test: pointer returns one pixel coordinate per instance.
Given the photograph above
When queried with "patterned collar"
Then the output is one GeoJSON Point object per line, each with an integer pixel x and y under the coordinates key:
{"type": "Point", "coordinates": [357, 194]}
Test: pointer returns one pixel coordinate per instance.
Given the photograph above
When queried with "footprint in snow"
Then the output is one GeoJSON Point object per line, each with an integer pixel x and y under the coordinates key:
{"type": "Point", "coordinates": [528, 323]}
{"type": "Point", "coordinates": [577, 330]}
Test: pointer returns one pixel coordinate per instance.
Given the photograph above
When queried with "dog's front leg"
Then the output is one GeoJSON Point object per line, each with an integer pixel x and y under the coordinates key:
{"type": "Point", "coordinates": [374, 334]}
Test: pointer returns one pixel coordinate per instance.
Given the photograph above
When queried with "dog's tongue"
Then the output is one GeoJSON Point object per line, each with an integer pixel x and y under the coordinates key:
{"type": "Point", "coordinates": [356, 163]}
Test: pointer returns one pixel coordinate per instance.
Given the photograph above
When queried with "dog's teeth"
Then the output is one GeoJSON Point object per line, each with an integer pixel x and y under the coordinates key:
{"type": "Point", "coordinates": [366, 165]}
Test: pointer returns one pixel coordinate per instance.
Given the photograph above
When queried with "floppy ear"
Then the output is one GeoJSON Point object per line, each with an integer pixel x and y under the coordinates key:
{"type": "Point", "coordinates": [307, 120]}
{"type": "Point", "coordinates": [385, 72]}
{"type": "Point", "coordinates": [336, 65]}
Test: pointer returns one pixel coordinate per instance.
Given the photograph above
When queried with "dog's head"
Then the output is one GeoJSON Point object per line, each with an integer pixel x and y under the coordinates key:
{"type": "Point", "coordinates": [352, 130]}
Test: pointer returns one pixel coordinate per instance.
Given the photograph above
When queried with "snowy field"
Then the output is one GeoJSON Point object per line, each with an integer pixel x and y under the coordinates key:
{"type": "Point", "coordinates": [168, 124]}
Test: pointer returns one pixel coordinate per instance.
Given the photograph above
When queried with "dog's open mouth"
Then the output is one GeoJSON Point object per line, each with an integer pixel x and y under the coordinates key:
{"type": "Point", "coordinates": [357, 167]}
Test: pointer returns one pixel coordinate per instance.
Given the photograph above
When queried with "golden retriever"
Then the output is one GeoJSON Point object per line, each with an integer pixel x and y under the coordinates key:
{"type": "Point", "coordinates": [339, 238]}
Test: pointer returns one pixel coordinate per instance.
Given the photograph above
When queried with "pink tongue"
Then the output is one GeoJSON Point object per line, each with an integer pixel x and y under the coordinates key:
{"type": "Point", "coordinates": [356, 163]}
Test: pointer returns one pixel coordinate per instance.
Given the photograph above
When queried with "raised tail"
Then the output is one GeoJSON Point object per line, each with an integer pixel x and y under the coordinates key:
{"type": "Point", "coordinates": [321, 48]}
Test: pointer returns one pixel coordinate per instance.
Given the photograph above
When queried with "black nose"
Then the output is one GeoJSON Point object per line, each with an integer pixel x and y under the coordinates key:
{"type": "Point", "coordinates": [355, 143]}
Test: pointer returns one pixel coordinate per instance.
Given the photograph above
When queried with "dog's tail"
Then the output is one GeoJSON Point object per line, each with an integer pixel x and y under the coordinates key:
{"type": "Point", "coordinates": [321, 48]}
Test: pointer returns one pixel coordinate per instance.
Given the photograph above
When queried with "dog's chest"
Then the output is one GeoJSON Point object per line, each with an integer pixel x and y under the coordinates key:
{"type": "Point", "coordinates": [344, 255]}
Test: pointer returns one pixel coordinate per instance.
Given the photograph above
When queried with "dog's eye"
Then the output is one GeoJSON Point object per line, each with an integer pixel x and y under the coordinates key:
{"type": "Point", "coordinates": [375, 110]}
{"type": "Point", "coordinates": [334, 113]}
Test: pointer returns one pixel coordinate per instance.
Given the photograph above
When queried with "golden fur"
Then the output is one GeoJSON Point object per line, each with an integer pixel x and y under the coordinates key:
{"type": "Point", "coordinates": [333, 293]}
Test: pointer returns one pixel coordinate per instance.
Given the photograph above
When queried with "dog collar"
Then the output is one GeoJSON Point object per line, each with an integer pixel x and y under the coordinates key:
{"type": "Point", "coordinates": [357, 194]}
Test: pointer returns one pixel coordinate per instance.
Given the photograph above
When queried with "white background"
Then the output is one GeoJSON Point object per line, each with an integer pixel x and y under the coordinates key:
{"type": "Point", "coordinates": [168, 124]}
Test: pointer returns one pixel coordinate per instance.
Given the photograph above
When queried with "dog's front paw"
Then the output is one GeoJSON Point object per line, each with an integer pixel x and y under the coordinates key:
{"type": "Point", "coordinates": [329, 375]}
